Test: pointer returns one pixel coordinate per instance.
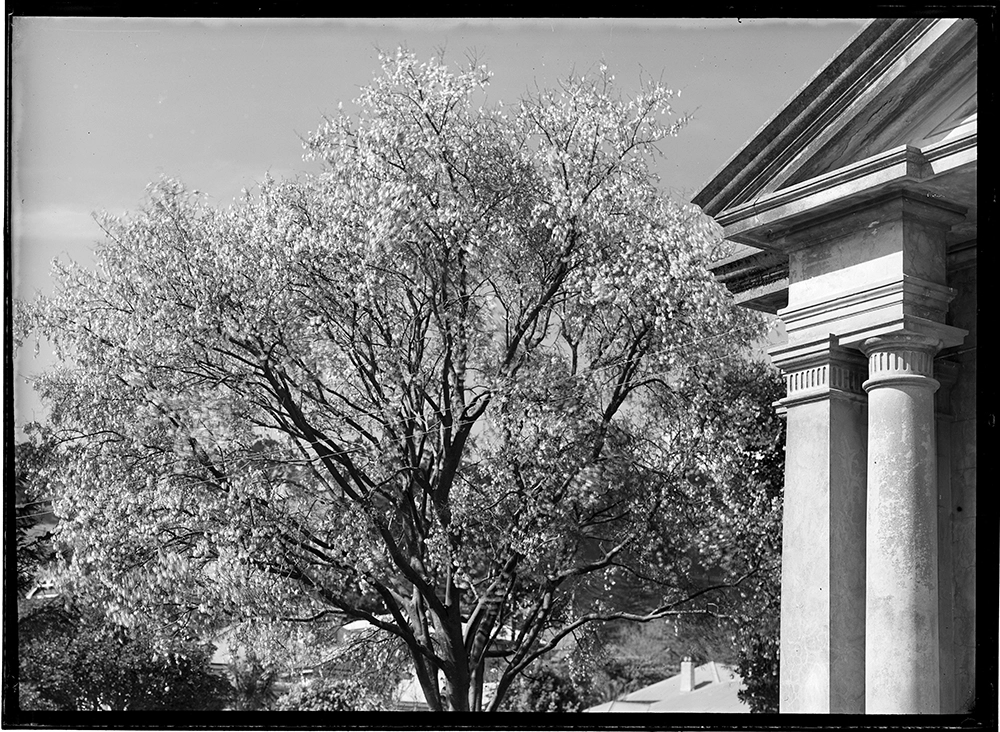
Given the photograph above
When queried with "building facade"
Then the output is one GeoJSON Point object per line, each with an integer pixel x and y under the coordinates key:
{"type": "Point", "coordinates": [853, 217]}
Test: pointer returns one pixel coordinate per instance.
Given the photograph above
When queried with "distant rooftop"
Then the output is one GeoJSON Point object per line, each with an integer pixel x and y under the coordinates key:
{"type": "Point", "coordinates": [715, 689]}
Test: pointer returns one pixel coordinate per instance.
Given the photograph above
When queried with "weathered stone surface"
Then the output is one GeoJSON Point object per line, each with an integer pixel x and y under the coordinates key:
{"type": "Point", "coordinates": [902, 665]}
{"type": "Point", "coordinates": [962, 277]}
{"type": "Point", "coordinates": [965, 436]}
{"type": "Point", "coordinates": [823, 565]}
{"type": "Point", "coordinates": [946, 579]}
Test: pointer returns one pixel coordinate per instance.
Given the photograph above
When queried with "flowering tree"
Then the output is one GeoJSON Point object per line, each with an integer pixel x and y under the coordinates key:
{"type": "Point", "coordinates": [450, 385]}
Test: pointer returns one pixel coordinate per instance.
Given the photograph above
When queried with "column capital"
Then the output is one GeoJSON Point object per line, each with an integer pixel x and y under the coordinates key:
{"type": "Point", "coordinates": [819, 370]}
{"type": "Point", "coordinates": [901, 359]}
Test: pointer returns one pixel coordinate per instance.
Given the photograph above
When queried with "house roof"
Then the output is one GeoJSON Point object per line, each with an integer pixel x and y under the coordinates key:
{"type": "Point", "coordinates": [716, 689]}
{"type": "Point", "coordinates": [895, 109]}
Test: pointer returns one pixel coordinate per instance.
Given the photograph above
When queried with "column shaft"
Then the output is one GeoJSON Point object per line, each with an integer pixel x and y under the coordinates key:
{"type": "Point", "coordinates": [902, 653]}
{"type": "Point", "coordinates": [823, 554]}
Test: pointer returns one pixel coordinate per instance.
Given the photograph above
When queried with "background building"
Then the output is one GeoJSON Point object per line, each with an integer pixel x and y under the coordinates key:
{"type": "Point", "coordinates": [711, 687]}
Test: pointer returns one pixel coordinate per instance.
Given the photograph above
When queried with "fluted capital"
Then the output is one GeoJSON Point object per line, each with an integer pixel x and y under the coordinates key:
{"type": "Point", "coordinates": [819, 370]}
{"type": "Point", "coordinates": [901, 359]}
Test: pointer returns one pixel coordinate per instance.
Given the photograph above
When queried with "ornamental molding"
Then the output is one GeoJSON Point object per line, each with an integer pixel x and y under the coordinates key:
{"type": "Point", "coordinates": [918, 362]}
{"type": "Point", "coordinates": [901, 359]}
{"type": "Point", "coordinates": [899, 164]}
{"type": "Point", "coordinates": [785, 220]}
{"type": "Point", "coordinates": [952, 153]}
{"type": "Point", "coordinates": [823, 382]}
{"type": "Point", "coordinates": [920, 297]}
{"type": "Point", "coordinates": [820, 370]}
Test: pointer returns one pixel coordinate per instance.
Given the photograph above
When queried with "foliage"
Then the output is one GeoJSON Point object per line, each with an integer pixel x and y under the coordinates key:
{"type": "Point", "coordinates": [29, 698]}
{"type": "Point", "coordinates": [548, 688]}
{"type": "Point", "coordinates": [616, 677]}
{"type": "Point", "coordinates": [253, 682]}
{"type": "Point", "coordinates": [376, 660]}
{"type": "Point", "coordinates": [73, 660]}
{"type": "Point", "coordinates": [463, 384]}
{"type": "Point", "coordinates": [34, 518]}
{"type": "Point", "coordinates": [625, 657]}
{"type": "Point", "coordinates": [757, 481]}
{"type": "Point", "coordinates": [330, 695]}
{"type": "Point", "coordinates": [746, 489]}
{"type": "Point", "coordinates": [759, 662]}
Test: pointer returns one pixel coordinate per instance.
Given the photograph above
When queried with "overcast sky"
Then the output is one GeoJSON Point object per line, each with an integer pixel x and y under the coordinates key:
{"type": "Point", "coordinates": [102, 106]}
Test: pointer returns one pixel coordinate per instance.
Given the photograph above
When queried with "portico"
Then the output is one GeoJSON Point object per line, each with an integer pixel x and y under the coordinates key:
{"type": "Point", "coordinates": [852, 216]}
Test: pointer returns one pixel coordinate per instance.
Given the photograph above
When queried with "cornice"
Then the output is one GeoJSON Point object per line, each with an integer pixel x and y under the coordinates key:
{"type": "Point", "coordinates": [875, 113]}
{"type": "Point", "coordinates": [900, 164]}
{"type": "Point", "coordinates": [914, 291]}
{"type": "Point", "coordinates": [940, 157]}
{"type": "Point", "coordinates": [742, 168]}
{"type": "Point", "coordinates": [851, 83]}
{"type": "Point", "coordinates": [844, 93]}
{"type": "Point", "coordinates": [762, 222]}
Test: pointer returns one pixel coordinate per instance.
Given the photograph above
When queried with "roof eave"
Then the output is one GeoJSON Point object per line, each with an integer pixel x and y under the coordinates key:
{"type": "Point", "coordinates": [875, 45]}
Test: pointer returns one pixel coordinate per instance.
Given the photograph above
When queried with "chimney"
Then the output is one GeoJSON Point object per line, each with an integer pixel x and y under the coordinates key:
{"type": "Point", "coordinates": [687, 674]}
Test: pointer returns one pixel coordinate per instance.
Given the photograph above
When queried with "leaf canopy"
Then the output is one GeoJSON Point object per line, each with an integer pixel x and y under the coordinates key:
{"type": "Point", "coordinates": [455, 384]}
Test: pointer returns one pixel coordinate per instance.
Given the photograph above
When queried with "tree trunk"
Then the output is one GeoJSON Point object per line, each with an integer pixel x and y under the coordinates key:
{"type": "Point", "coordinates": [427, 678]}
{"type": "Point", "coordinates": [458, 696]}
{"type": "Point", "coordinates": [476, 690]}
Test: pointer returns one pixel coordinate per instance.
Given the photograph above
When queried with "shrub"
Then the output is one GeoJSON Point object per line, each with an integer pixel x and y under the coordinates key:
{"type": "Point", "coordinates": [548, 689]}
{"type": "Point", "coordinates": [330, 695]}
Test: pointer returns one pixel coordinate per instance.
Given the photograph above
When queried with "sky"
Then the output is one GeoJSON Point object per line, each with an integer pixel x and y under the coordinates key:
{"type": "Point", "coordinates": [100, 107]}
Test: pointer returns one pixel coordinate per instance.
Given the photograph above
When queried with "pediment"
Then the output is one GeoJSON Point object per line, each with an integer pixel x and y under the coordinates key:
{"type": "Point", "coordinates": [902, 82]}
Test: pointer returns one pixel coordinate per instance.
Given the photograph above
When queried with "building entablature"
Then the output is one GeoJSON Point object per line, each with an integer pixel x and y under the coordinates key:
{"type": "Point", "coordinates": [894, 116]}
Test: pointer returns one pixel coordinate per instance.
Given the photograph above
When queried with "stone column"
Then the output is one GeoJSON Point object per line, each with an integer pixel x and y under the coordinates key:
{"type": "Point", "coordinates": [901, 632]}
{"type": "Point", "coordinates": [866, 276]}
{"type": "Point", "coordinates": [823, 554]}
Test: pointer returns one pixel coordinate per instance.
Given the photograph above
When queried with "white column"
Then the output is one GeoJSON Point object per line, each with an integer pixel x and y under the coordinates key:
{"type": "Point", "coordinates": [823, 542]}
{"type": "Point", "coordinates": [901, 627]}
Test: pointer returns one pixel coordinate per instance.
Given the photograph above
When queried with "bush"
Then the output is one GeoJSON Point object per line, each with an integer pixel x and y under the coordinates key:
{"type": "Point", "coordinates": [549, 689]}
{"type": "Point", "coordinates": [253, 683]}
{"type": "Point", "coordinates": [77, 660]}
{"type": "Point", "coordinates": [759, 662]}
{"type": "Point", "coordinates": [330, 695]}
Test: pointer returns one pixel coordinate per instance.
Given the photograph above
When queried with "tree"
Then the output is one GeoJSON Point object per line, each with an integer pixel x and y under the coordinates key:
{"type": "Point", "coordinates": [455, 384]}
{"type": "Point", "coordinates": [759, 663]}
{"type": "Point", "coordinates": [34, 520]}
{"type": "Point", "coordinates": [762, 480]}
{"type": "Point", "coordinates": [749, 503]}
{"type": "Point", "coordinates": [372, 660]}
{"type": "Point", "coordinates": [75, 660]}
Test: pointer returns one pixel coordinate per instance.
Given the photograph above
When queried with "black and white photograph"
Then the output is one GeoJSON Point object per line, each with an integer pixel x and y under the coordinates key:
{"type": "Point", "coordinates": [592, 371]}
